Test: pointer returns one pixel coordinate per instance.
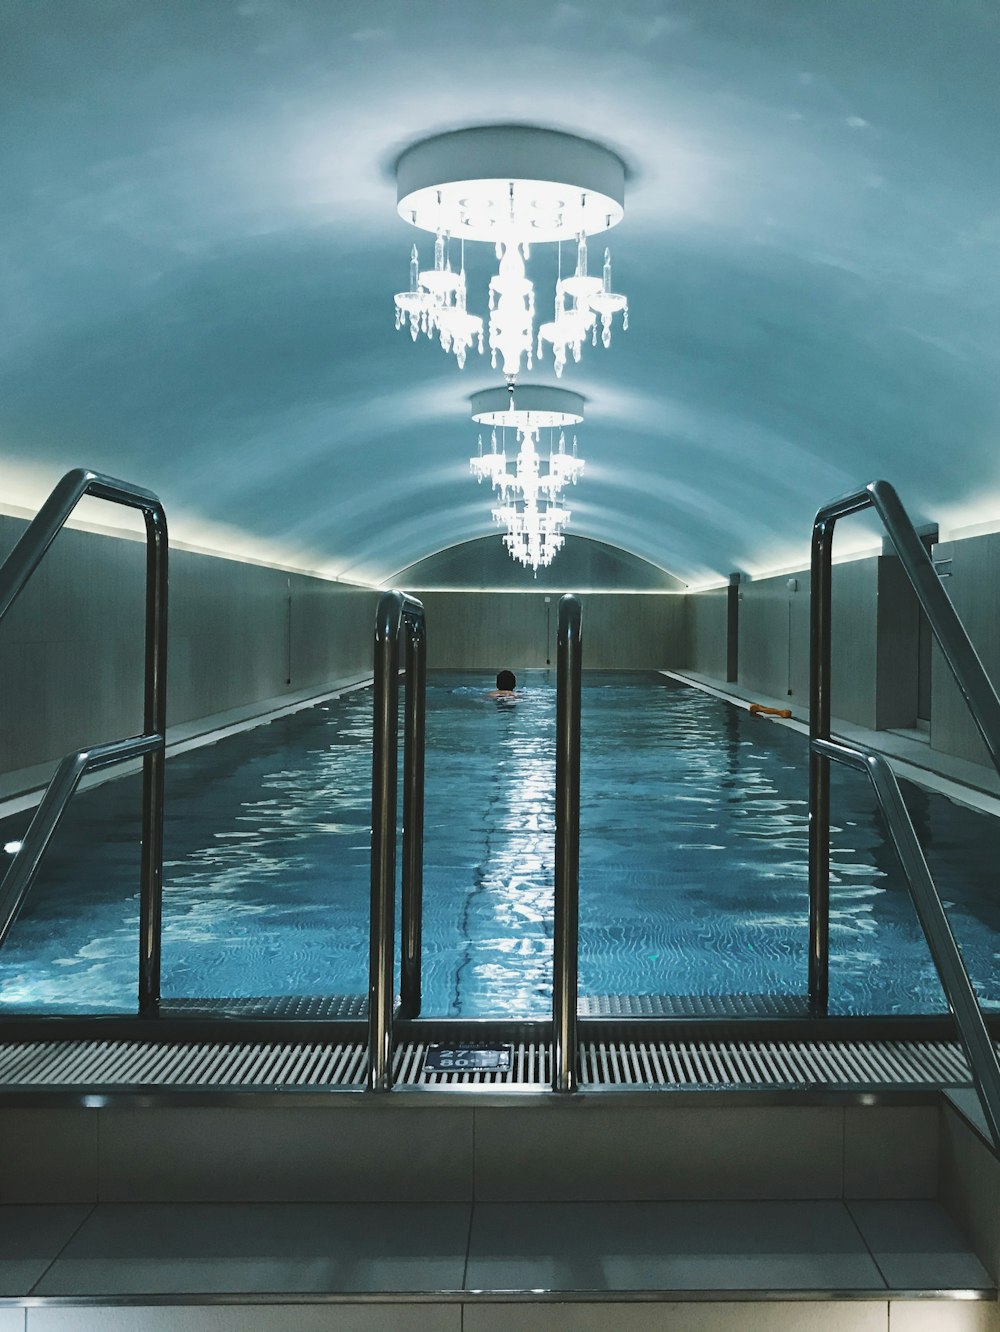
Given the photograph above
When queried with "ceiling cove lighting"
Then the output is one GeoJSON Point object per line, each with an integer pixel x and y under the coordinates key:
{"type": "Point", "coordinates": [529, 484]}
{"type": "Point", "coordinates": [512, 187]}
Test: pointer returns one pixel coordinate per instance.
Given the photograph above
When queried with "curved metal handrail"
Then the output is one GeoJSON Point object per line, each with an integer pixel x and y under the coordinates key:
{"type": "Point", "coordinates": [15, 573]}
{"type": "Point", "coordinates": [566, 925]}
{"type": "Point", "coordinates": [944, 950]}
{"type": "Point", "coordinates": [21, 875]}
{"type": "Point", "coordinates": [982, 701]}
{"type": "Point", "coordinates": [956, 646]}
{"type": "Point", "coordinates": [396, 612]}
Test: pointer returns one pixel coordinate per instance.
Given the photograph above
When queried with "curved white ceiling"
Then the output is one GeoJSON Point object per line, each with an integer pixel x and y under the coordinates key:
{"type": "Point", "coordinates": [200, 248]}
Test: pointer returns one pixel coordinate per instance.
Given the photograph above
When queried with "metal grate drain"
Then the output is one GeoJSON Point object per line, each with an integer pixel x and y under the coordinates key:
{"type": "Point", "coordinates": [346, 1006]}
{"type": "Point", "coordinates": [771, 1064]}
{"type": "Point", "coordinates": [692, 1005]}
{"type": "Point", "coordinates": [140, 1064]}
{"type": "Point", "coordinates": [288, 1008]}
{"type": "Point", "coordinates": [65, 1065]}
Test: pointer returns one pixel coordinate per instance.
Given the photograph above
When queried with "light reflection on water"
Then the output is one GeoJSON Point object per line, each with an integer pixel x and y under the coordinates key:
{"type": "Point", "coordinates": [693, 864]}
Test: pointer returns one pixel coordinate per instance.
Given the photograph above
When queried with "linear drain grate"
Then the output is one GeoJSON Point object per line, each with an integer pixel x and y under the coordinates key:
{"type": "Point", "coordinates": [770, 1064]}
{"type": "Point", "coordinates": [288, 1008]}
{"type": "Point", "coordinates": [211, 1064]}
{"type": "Point", "coordinates": [56, 1065]}
{"type": "Point", "coordinates": [692, 1005]}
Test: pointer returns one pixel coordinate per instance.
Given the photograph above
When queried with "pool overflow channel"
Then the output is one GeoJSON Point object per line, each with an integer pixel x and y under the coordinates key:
{"type": "Point", "coordinates": [496, 1052]}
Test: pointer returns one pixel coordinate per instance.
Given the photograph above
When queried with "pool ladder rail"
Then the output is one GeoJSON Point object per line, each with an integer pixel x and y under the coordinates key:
{"type": "Point", "coordinates": [398, 617]}
{"type": "Point", "coordinates": [15, 573]}
{"type": "Point", "coordinates": [402, 617]}
{"type": "Point", "coordinates": [984, 705]}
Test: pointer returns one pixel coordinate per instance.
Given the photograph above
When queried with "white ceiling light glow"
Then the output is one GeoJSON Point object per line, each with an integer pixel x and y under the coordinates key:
{"type": "Point", "coordinates": [511, 186]}
{"type": "Point", "coordinates": [529, 485]}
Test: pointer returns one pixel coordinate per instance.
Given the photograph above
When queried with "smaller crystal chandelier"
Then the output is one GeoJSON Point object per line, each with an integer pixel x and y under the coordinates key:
{"type": "Point", "coordinates": [534, 530]}
{"type": "Point", "coordinates": [529, 485]}
{"type": "Point", "coordinates": [512, 186]}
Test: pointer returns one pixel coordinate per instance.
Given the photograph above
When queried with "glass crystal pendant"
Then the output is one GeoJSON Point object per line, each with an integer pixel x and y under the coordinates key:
{"type": "Point", "coordinates": [435, 303]}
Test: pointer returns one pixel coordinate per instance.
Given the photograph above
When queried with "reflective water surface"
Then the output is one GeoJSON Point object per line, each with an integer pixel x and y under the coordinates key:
{"type": "Point", "coordinates": [693, 864]}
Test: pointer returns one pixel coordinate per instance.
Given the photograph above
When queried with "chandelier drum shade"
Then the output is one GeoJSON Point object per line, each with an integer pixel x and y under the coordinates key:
{"type": "Point", "coordinates": [529, 485]}
{"type": "Point", "coordinates": [511, 186]}
{"type": "Point", "coordinates": [535, 404]}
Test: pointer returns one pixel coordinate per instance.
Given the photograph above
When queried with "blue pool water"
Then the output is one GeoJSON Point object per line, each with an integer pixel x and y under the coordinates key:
{"type": "Point", "coordinates": [693, 864]}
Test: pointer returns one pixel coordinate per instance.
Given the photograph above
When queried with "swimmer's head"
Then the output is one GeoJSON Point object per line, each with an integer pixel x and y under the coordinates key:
{"type": "Point", "coordinates": [506, 680]}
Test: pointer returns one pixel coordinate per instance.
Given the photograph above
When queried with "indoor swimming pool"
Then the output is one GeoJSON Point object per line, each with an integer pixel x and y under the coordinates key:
{"type": "Point", "coordinates": [693, 864]}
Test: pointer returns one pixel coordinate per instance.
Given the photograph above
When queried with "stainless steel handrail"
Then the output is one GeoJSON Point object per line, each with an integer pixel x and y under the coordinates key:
{"type": "Point", "coordinates": [14, 575]}
{"type": "Point", "coordinates": [396, 612]}
{"type": "Point", "coordinates": [566, 928]}
{"type": "Point", "coordinates": [944, 950]}
{"type": "Point", "coordinates": [983, 703]}
{"type": "Point", "coordinates": [413, 816]}
{"type": "Point", "coordinates": [958, 651]}
{"type": "Point", "coordinates": [21, 875]}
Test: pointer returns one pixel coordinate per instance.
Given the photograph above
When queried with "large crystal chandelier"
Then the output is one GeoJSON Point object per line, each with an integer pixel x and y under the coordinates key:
{"type": "Point", "coordinates": [529, 484]}
{"type": "Point", "coordinates": [511, 186]}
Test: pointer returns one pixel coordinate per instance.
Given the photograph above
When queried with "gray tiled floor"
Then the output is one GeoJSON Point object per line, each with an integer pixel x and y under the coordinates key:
{"type": "Point", "coordinates": [669, 1246]}
{"type": "Point", "coordinates": [30, 1237]}
{"type": "Point", "coordinates": [142, 1248]}
{"type": "Point", "coordinates": [169, 1248]}
{"type": "Point", "coordinates": [916, 1244]}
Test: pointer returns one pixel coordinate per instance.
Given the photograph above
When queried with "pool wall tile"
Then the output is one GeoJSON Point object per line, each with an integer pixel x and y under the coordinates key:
{"type": "Point", "coordinates": [48, 1155]}
{"type": "Point", "coordinates": [970, 1187]}
{"type": "Point", "coordinates": [891, 1151]}
{"type": "Point", "coordinates": [344, 1153]}
{"type": "Point", "coordinates": [596, 1152]}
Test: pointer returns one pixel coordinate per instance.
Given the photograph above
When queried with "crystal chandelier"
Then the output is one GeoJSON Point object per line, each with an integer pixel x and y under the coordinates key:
{"type": "Point", "coordinates": [529, 485]}
{"type": "Point", "coordinates": [512, 186]}
{"type": "Point", "coordinates": [533, 533]}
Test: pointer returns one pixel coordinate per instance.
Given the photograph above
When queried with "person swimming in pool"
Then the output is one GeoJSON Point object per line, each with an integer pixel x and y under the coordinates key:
{"type": "Point", "coordinates": [504, 693]}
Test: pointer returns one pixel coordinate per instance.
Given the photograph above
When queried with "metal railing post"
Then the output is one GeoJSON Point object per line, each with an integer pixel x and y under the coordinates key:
{"type": "Point", "coordinates": [153, 766]}
{"type": "Point", "coordinates": [819, 771]}
{"type": "Point", "coordinates": [383, 868]}
{"type": "Point", "coordinates": [395, 610]}
{"type": "Point", "coordinates": [414, 728]}
{"type": "Point", "coordinates": [565, 952]}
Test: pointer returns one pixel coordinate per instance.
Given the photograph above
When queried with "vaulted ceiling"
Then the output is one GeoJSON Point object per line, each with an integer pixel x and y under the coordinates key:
{"type": "Point", "coordinates": [199, 248]}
